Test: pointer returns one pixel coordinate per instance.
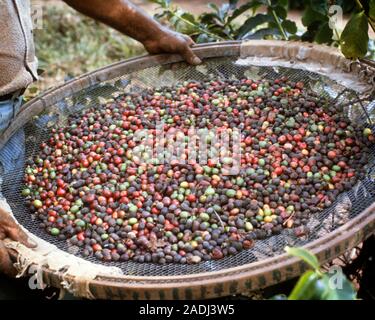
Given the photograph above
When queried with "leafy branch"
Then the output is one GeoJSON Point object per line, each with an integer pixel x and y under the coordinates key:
{"type": "Point", "coordinates": [220, 23]}
{"type": "Point", "coordinates": [232, 21]}
{"type": "Point", "coordinates": [277, 20]}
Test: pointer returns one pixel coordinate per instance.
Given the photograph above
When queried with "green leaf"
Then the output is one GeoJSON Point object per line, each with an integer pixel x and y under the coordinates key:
{"type": "Point", "coordinates": [273, 24]}
{"type": "Point", "coordinates": [203, 38]}
{"type": "Point", "coordinates": [260, 2]}
{"type": "Point", "coordinates": [182, 26]}
{"type": "Point", "coordinates": [371, 11]}
{"type": "Point", "coordinates": [189, 17]}
{"type": "Point", "coordinates": [253, 22]}
{"type": "Point", "coordinates": [33, 89]}
{"type": "Point", "coordinates": [305, 287]}
{"type": "Point", "coordinates": [324, 34]}
{"type": "Point", "coordinates": [321, 288]}
{"type": "Point", "coordinates": [283, 3]}
{"type": "Point", "coordinates": [289, 26]}
{"type": "Point", "coordinates": [354, 38]}
{"type": "Point", "coordinates": [242, 9]}
{"type": "Point", "coordinates": [333, 292]}
{"type": "Point", "coordinates": [294, 37]}
{"type": "Point", "coordinates": [319, 6]}
{"type": "Point", "coordinates": [156, 1]}
{"type": "Point", "coordinates": [219, 31]}
{"type": "Point", "coordinates": [261, 33]}
{"type": "Point", "coordinates": [281, 12]}
{"type": "Point", "coordinates": [185, 28]}
{"type": "Point", "coordinates": [304, 255]}
{"type": "Point", "coordinates": [313, 286]}
{"type": "Point", "coordinates": [213, 7]}
{"type": "Point", "coordinates": [310, 33]}
{"type": "Point", "coordinates": [223, 11]}
{"type": "Point", "coordinates": [208, 18]}
{"type": "Point", "coordinates": [174, 20]}
{"type": "Point", "coordinates": [162, 3]}
{"type": "Point", "coordinates": [310, 16]}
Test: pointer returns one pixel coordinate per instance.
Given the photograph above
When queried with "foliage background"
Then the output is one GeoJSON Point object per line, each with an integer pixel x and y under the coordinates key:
{"type": "Point", "coordinates": [70, 44]}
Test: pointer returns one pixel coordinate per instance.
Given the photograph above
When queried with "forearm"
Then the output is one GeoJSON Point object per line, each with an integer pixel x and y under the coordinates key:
{"type": "Point", "coordinates": [125, 17]}
{"type": "Point", "coordinates": [121, 15]}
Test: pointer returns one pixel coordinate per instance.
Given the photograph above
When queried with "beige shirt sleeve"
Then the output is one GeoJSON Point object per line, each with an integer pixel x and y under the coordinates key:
{"type": "Point", "coordinates": [18, 64]}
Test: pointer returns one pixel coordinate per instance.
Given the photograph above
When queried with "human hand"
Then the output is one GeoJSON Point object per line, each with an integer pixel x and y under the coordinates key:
{"type": "Point", "coordinates": [10, 229]}
{"type": "Point", "coordinates": [132, 21]}
{"type": "Point", "coordinates": [168, 41]}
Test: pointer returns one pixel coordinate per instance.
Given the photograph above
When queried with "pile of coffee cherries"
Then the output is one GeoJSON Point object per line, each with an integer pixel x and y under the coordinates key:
{"type": "Point", "coordinates": [297, 153]}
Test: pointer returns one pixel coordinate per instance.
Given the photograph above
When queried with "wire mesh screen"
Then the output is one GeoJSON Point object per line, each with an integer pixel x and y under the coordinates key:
{"type": "Point", "coordinates": [347, 205]}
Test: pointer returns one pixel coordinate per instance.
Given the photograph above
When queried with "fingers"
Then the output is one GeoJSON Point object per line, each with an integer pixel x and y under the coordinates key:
{"type": "Point", "coordinates": [173, 42]}
{"type": "Point", "coordinates": [17, 234]}
{"type": "Point", "coordinates": [189, 56]}
{"type": "Point", "coordinates": [4, 216]}
{"type": "Point", "coordinates": [9, 228]}
{"type": "Point", "coordinates": [6, 264]}
{"type": "Point", "coordinates": [5, 219]}
{"type": "Point", "coordinates": [187, 53]}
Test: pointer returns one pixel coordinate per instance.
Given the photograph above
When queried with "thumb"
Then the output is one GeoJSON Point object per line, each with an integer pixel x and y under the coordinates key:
{"type": "Point", "coordinates": [10, 228]}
